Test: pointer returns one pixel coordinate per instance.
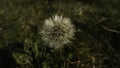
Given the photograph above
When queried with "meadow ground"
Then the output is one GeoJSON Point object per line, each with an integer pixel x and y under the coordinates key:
{"type": "Point", "coordinates": [95, 43]}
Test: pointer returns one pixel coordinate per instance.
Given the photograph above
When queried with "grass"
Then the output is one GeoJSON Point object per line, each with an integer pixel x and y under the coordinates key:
{"type": "Point", "coordinates": [95, 45]}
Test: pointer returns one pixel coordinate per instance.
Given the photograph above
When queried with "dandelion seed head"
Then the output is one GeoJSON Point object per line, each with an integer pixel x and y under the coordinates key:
{"type": "Point", "coordinates": [57, 31]}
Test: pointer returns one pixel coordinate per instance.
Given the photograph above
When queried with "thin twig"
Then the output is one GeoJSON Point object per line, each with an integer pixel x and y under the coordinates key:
{"type": "Point", "coordinates": [111, 30]}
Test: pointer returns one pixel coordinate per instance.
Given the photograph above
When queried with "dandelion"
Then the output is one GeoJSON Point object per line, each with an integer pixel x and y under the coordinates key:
{"type": "Point", "coordinates": [57, 31]}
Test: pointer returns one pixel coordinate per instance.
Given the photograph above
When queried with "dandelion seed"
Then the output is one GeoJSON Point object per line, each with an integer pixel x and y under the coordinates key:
{"type": "Point", "coordinates": [57, 31]}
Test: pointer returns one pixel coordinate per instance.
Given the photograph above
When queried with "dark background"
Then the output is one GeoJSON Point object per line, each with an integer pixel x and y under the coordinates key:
{"type": "Point", "coordinates": [96, 42]}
